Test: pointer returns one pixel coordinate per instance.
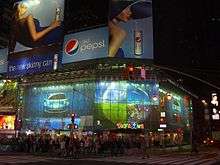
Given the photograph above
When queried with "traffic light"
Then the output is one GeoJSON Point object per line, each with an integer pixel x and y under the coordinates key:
{"type": "Point", "coordinates": [130, 72]}
{"type": "Point", "coordinates": [73, 117]}
{"type": "Point", "coordinates": [18, 124]}
{"type": "Point", "coordinates": [75, 126]}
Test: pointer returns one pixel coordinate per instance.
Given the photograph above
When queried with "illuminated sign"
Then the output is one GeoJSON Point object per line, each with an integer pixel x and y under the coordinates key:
{"type": "Point", "coordinates": [46, 18]}
{"type": "Point", "coordinates": [215, 117]}
{"type": "Point", "coordinates": [131, 29]}
{"type": "Point", "coordinates": [214, 100]}
{"type": "Point", "coordinates": [85, 45]}
{"type": "Point", "coordinates": [31, 64]}
{"type": "Point", "coordinates": [130, 125]}
{"type": "Point", "coordinates": [162, 114]}
{"type": "Point", "coordinates": [7, 122]}
{"type": "Point", "coordinates": [163, 125]}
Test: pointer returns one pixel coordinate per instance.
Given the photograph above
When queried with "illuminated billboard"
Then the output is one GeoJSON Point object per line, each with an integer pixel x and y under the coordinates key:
{"type": "Point", "coordinates": [36, 23]}
{"type": "Point", "coordinates": [34, 61]}
{"type": "Point", "coordinates": [85, 45]}
{"type": "Point", "coordinates": [3, 60]}
{"type": "Point", "coordinates": [36, 36]}
{"type": "Point", "coordinates": [127, 33]}
{"type": "Point", "coordinates": [131, 29]}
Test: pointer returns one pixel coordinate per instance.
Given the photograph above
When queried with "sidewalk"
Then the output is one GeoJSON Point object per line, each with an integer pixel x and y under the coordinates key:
{"type": "Point", "coordinates": [204, 157]}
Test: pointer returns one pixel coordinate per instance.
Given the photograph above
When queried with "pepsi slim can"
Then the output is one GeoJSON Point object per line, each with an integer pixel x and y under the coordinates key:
{"type": "Point", "coordinates": [58, 13]}
{"type": "Point", "coordinates": [55, 62]}
{"type": "Point", "coordinates": [138, 43]}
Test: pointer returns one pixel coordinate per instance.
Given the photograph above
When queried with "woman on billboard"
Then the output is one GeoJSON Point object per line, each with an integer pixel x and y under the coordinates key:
{"type": "Point", "coordinates": [27, 30]}
{"type": "Point", "coordinates": [123, 11]}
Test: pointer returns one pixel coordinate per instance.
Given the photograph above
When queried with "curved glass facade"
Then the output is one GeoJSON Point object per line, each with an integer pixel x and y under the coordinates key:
{"type": "Point", "coordinates": [105, 105]}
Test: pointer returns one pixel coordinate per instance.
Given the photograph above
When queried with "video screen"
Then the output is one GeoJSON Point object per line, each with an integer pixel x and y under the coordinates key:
{"type": "Point", "coordinates": [36, 23]}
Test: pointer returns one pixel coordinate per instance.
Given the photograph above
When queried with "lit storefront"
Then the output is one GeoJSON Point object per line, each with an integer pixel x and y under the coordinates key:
{"type": "Point", "coordinates": [8, 101]}
{"type": "Point", "coordinates": [7, 122]}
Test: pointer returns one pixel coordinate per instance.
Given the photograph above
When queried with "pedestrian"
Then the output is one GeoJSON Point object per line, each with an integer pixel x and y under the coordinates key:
{"type": "Point", "coordinates": [145, 146]}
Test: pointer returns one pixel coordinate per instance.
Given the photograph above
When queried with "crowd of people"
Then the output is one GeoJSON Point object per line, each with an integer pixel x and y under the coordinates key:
{"type": "Point", "coordinates": [84, 145]}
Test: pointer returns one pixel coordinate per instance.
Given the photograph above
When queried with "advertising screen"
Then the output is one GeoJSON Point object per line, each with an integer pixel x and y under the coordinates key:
{"type": "Point", "coordinates": [3, 60]}
{"type": "Point", "coordinates": [36, 23]}
{"type": "Point", "coordinates": [131, 29]}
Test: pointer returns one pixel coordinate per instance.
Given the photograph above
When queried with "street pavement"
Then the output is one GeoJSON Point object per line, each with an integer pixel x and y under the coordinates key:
{"type": "Point", "coordinates": [171, 159]}
{"type": "Point", "coordinates": [162, 160]}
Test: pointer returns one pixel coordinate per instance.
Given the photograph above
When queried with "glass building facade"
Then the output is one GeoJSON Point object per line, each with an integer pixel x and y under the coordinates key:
{"type": "Point", "coordinates": [105, 105]}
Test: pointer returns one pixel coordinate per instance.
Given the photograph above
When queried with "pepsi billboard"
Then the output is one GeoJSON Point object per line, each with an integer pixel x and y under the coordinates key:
{"type": "Point", "coordinates": [131, 29]}
{"type": "Point", "coordinates": [85, 45]}
{"type": "Point", "coordinates": [36, 36]}
{"type": "Point", "coordinates": [128, 34]}
{"type": "Point", "coordinates": [36, 23]}
{"type": "Point", "coordinates": [34, 61]}
{"type": "Point", "coordinates": [3, 60]}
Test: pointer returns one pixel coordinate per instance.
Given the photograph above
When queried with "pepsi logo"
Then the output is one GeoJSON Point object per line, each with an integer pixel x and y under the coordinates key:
{"type": "Point", "coordinates": [72, 47]}
{"type": "Point", "coordinates": [138, 39]}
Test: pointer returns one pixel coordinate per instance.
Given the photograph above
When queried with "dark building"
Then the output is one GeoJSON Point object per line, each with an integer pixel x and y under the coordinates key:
{"type": "Point", "coordinates": [187, 39]}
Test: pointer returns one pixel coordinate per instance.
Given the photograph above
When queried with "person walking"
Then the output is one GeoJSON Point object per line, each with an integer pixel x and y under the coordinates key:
{"type": "Point", "coordinates": [145, 146]}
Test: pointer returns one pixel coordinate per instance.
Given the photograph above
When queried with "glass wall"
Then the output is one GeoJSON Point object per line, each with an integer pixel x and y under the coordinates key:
{"type": "Point", "coordinates": [124, 103]}
{"type": "Point", "coordinates": [102, 104]}
{"type": "Point", "coordinates": [50, 107]}
{"type": "Point", "coordinates": [105, 105]}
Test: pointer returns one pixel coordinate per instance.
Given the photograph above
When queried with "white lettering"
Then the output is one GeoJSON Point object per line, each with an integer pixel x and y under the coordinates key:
{"type": "Point", "coordinates": [88, 45]}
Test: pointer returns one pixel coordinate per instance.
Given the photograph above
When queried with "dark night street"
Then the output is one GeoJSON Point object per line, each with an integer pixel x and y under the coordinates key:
{"type": "Point", "coordinates": [210, 157]}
